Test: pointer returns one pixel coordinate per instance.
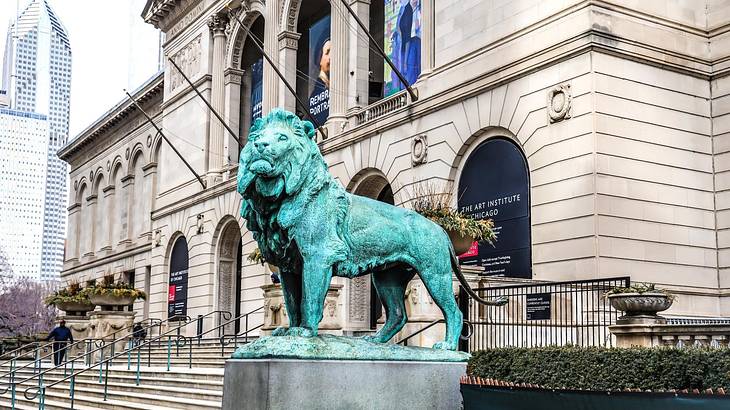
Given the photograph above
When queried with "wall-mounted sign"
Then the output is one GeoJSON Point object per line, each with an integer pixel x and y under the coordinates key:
{"type": "Point", "coordinates": [538, 306]}
{"type": "Point", "coordinates": [177, 296]}
{"type": "Point", "coordinates": [495, 185]}
{"type": "Point", "coordinates": [320, 47]}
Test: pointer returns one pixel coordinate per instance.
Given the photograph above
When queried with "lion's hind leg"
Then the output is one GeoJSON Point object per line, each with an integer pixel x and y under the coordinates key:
{"type": "Point", "coordinates": [391, 287]}
{"type": "Point", "coordinates": [439, 286]}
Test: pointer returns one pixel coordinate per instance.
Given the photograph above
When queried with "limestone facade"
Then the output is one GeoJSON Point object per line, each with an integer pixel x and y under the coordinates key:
{"type": "Point", "coordinates": [620, 108]}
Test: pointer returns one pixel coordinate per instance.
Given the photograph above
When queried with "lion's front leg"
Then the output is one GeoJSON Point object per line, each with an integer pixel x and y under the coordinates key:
{"type": "Point", "coordinates": [291, 288]}
{"type": "Point", "coordinates": [315, 283]}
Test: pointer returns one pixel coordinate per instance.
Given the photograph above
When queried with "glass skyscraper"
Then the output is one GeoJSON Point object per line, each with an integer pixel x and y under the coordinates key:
{"type": "Point", "coordinates": [37, 75]}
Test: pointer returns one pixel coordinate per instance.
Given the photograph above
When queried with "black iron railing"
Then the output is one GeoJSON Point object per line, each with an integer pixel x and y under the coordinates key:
{"type": "Point", "coordinates": [554, 313]}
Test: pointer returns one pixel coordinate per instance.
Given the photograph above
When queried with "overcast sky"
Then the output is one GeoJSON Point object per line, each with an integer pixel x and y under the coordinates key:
{"type": "Point", "coordinates": [112, 48]}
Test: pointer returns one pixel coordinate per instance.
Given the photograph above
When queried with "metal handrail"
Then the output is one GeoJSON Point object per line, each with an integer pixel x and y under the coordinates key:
{"type": "Point", "coordinates": [466, 323]}
{"type": "Point", "coordinates": [38, 360]}
{"type": "Point", "coordinates": [45, 346]}
{"type": "Point", "coordinates": [101, 348]}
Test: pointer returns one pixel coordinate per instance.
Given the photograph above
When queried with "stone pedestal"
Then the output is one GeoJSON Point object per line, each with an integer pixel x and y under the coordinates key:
{"type": "Point", "coordinates": [275, 310]}
{"type": "Point", "coordinates": [343, 384]}
{"type": "Point", "coordinates": [104, 323]}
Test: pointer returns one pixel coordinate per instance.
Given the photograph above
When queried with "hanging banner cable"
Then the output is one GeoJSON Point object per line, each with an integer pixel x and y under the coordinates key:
{"type": "Point", "coordinates": [260, 48]}
{"type": "Point", "coordinates": [411, 92]}
{"type": "Point", "coordinates": [230, 131]}
{"type": "Point", "coordinates": [159, 131]}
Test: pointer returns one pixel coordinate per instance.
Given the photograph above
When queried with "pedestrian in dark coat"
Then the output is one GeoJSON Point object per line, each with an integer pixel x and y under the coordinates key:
{"type": "Point", "coordinates": [62, 338]}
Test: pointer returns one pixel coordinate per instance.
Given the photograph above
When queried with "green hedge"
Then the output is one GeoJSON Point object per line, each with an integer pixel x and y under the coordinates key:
{"type": "Point", "coordinates": [592, 368]}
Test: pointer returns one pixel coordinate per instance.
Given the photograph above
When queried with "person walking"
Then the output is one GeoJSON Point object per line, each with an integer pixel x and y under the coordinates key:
{"type": "Point", "coordinates": [62, 338]}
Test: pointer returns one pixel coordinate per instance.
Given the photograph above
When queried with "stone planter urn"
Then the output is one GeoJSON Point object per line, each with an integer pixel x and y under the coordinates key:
{"type": "Point", "coordinates": [111, 300]}
{"type": "Point", "coordinates": [75, 308]}
{"type": "Point", "coordinates": [638, 307]}
{"type": "Point", "coordinates": [461, 243]}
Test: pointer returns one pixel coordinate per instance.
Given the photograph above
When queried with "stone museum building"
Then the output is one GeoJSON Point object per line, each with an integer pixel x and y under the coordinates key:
{"type": "Point", "coordinates": [596, 134]}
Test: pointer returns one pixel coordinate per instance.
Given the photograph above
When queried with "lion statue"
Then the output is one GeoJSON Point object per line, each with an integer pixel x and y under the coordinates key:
{"type": "Point", "coordinates": [311, 228]}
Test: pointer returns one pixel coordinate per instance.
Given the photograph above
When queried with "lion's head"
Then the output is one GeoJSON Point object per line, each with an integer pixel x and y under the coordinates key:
{"type": "Point", "coordinates": [280, 162]}
{"type": "Point", "coordinates": [280, 148]}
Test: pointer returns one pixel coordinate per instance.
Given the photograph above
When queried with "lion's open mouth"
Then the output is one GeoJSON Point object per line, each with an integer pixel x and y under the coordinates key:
{"type": "Point", "coordinates": [261, 167]}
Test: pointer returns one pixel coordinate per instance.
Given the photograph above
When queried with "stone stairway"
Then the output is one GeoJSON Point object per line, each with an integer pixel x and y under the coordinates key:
{"type": "Point", "coordinates": [182, 387]}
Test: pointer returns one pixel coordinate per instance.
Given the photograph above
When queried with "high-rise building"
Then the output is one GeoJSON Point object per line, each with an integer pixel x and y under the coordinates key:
{"type": "Point", "coordinates": [23, 157]}
{"type": "Point", "coordinates": [37, 73]}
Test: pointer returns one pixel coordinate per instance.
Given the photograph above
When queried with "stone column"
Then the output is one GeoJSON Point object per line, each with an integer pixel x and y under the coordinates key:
{"type": "Point", "coordinates": [339, 33]}
{"type": "Point", "coordinates": [288, 44]}
{"type": "Point", "coordinates": [271, 46]}
{"type": "Point", "coordinates": [126, 221]}
{"type": "Point", "coordinates": [72, 254]}
{"type": "Point", "coordinates": [234, 105]}
{"type": "Point", "coordinates": [359, 58]}
{"type": "Point", "coordinates": [91, 201]}
{"type": "Point", "coordinates": [216, 148]}
{"type": "Point", "coordinates": [108, 192]}
{"type": "Point", "coordinates": [150, 173]}
{"type": "Point", "coordinates": [142, 282]}
{"type": "Point", "coordinates": [427, 36]}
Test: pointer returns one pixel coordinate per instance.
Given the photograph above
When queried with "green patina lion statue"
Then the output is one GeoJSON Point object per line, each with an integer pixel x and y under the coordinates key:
{"type": "Point", "coordinates": [311, 228]}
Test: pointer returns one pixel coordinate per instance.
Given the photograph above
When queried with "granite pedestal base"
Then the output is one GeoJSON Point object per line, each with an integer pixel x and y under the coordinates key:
{"type": "Point", "coordinates": [341, 384]}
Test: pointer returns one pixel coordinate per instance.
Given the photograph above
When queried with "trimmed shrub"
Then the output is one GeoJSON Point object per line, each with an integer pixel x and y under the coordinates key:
{"type": "Point", "coordinates": [594, 368]}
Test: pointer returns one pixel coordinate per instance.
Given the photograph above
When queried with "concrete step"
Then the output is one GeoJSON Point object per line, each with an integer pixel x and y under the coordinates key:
{"type": "Point", "coordinates": [143, 394]}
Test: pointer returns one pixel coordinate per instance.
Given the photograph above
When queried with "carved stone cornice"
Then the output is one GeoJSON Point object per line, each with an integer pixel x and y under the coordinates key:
{"type": "Point", "coordinates": [164, 13]}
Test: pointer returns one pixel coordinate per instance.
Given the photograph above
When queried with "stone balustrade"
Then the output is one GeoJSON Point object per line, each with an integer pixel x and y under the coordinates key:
{"type": "Point", "coordinates": [674, 333]}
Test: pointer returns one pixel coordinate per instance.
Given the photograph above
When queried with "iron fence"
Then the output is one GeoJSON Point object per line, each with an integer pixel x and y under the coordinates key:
{"type": "Point", "coordinates": [555, 313]}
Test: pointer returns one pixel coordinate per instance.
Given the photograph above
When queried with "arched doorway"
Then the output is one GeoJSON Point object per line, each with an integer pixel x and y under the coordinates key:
{"type": "Point", "coordinates": [177, 295]}
{"type": "Point", "coordinates": [363, 297]}
{"type": "Point", "coordinates": [495, 183]}
{"type": "Point", "coordinates": [229, 273]}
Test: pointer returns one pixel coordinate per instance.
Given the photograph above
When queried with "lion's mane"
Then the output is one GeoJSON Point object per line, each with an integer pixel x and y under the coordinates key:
{"type": "Point", "coordinates": [269, 218]}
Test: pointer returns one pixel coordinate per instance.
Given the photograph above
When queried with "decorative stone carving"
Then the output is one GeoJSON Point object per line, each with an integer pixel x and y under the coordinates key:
{"type": "Point", "coordinates": [419, 150]}
{"type": "Point", "coordinates": [105, 322]}
{"type": "Point", "coordinates": [217, 24]}
{"type": "Point", "coordinates": [126, 153]}
{"type": "Point", "coordinates": [149, 140]}
{"type": "Point", "coordinates": [275, 311]}
{"type": "Point", "coordinates": [91, 175]}
{"type": "Point", "coordinates": [108, 166]}
{"type": "Point", "coordinates": [359, 298]}
{"type": "Point", "coordinates": [200, 223]}
{"type": "Point", "coordinates": [559, 102]}
{"type": "Point", "coordinates": [76, 185]}
{"type": "Point", "coordinates": [188, 59]}
{"type": "Point", "coordinates": [157, 238]}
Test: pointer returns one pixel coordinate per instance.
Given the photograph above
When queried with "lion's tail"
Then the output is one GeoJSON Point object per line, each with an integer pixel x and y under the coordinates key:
{"type": "Point", "coordinates": [500, 301]}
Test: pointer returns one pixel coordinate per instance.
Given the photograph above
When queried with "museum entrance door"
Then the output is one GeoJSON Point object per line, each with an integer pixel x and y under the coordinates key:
{"type": "Point", "coordinates": [229, 273]}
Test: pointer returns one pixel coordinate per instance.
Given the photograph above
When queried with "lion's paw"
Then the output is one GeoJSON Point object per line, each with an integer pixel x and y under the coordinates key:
{"type": "Point", "coordinates": [301, 331]}
{"type": "Point", "coordinates": [373, 339]}
{"type": "Point", "coordinates": [444, 346]}
{"type": "Point", "coordinates": [280, 331]}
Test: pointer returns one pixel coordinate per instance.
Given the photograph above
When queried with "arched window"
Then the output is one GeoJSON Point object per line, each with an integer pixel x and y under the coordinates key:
{"type": "Point", "coordinates": [177, 296]}
{"type": "Point", "coordinates": [495, 183]}
{"type": "Point", "coordinates": [252, 83]}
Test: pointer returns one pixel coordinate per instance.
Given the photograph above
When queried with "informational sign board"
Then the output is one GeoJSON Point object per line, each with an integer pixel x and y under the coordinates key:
{"type": "Point", "coordinates": [177, 296]}
{"type": "Point", "coordinates": [320, 49]}
{"type": "Point", "coordinates": [538, 306]}
{"type": "Point", "coordinates": [495, 184]}
{"type": "Point", "coordinates": [402, 41]}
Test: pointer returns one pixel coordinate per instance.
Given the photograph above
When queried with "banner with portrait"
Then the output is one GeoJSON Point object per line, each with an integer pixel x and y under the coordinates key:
{"type": "Point", "coordinates": [320, 47]}
{"type": "Point", "coordinates": [257, 86]}
{"type": "Point", "coordinates": [402, 43]}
